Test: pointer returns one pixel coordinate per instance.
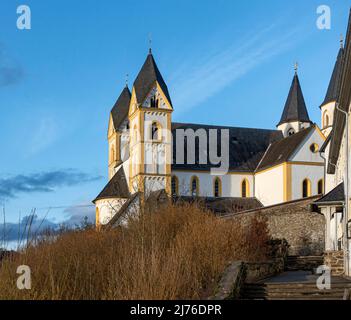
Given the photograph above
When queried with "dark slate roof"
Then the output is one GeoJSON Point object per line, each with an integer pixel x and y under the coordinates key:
{"type": "Point", "coordinates": [335, 80]}
{"type": "Point", "coordinates": [336, 195]}
{"type": "Point", "coordinates": [246, 147]}
{"type": "Point", "coordinates": [281, 151]}
{"type": "Point", "coordinates": [147, 78]}
{"type": "Point", "coordinates": [222, 205]}
{"type": "Point", "coordinates": [120, 110]}
{"type": "Point", "coordinates": [117, 187]}
{"type": "Point", "coordinates": [295, 107]}
{"type": "Point", "coordinates": [344, 103]}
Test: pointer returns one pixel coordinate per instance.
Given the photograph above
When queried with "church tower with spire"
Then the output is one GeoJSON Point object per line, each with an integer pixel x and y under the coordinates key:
{"type": "Point", "coordinates": [117, 133]}
{"type": "Point", "coordinates": [295, 116]}
{"type": "Point", "coordinates": [150, 119]}
{"type": "Point", "coordinates": [328, 105]}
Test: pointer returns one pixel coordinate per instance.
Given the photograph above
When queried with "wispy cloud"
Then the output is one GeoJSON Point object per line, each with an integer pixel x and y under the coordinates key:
{"type": "Point", "coordinates": [11, 72]}
{"type": "Point", "coordinates": [10, 187]}
{"type": "Point", "coordinates": [45, 133]}
{"type": "Point", "coordinates": [200, 78]}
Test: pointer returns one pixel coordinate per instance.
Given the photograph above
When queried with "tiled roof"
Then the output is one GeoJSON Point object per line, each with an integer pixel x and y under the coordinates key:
{"type": "Point", "coordinates": [295, 107]}
{"type": "Point", "coordinates": [335, 80]}
{"type": "Point", "coordinates": [281, 151]}
{"type": "Point", "coordinates": [222, 205]}
{"type": "Point", "coordinates": [117, 187]}
{"type": "Point", "coordinates": [336, 195]}
{"type": "Point", "coordinates": [246, 147]}
{"type": "Point", "coordinates": [344, 101]}
{"type": "Point", "coordinates": [120, 110]}
{"type": "Point", "coordinates": [147, 78]}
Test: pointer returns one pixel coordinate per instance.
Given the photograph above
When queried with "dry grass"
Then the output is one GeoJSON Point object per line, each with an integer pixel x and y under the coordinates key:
{"type": "Point", "coordinates": [176, 253]}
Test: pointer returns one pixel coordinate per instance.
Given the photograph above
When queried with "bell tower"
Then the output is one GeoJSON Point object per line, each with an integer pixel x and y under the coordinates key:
{"type": "Point", "coordinates": [150, 118]}
{"type": "Point", "coordinates": [118, 123]}
{"type": "Point", "coordinates": [295, 116]}
{"type": "Point", "coordinates": [328, 105]}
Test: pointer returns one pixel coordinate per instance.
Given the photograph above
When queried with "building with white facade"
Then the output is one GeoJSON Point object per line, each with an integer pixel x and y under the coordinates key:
{"type": "Point", "coordinates": [335, 205]}
{"type": "Point", "coordinates": [244, 168]}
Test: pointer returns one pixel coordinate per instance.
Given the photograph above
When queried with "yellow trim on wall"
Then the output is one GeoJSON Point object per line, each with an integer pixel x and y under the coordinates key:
{"type": "Point", "coordinates": [97, 218]}
{"type": "Point", "coordinates": [176, 180]}
{"type": "Point", "coordinates": [287, 183]}
{"type": "Point", "coordinates": [320, 133]}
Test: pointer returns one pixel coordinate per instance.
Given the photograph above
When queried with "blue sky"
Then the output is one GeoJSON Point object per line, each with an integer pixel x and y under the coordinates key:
{"type": "Point", "coordinates": [225, 62]}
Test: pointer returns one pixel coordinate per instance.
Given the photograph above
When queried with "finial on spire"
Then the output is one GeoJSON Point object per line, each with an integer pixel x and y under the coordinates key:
{"type": "Point", "coordinates": [150, 43]}
{"type": "Point", "coordinates": [341, 41]}
{"type": "Point", "coordinates": [127, 78]}
{"type": "Point", "coordinates": [296, 67]}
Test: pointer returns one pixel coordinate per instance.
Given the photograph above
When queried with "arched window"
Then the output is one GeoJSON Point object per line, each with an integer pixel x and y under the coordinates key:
{"type": "Point", "coordinates": [245, 193]}
{"type": "Point", "coordinates": [194, 186]}
{"type": "Point", "coordinates": [291, 131]}
{"type": "Point", "coordinates": [155, 131]}
{"type": "Point", "coordinates": [320, 186]}
{"type": "Point", "coordinates": [217, 188]}
{"type": "Point", "coordinates": [325, 119]}
{"type": "Point", "coordinates": [154, 102]}
{"type": "Point", "coordinates": [306, 188]}
{"type": "Point", "coordinates": [175, 186]}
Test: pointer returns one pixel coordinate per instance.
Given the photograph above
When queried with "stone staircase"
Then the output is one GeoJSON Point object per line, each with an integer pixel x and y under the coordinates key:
{"type": "Point", "coordinates": [307, 263]}
{"type": "Point", "coordinates": [294, 291]}
{"type": "Point", "coordinates": [298, 282]}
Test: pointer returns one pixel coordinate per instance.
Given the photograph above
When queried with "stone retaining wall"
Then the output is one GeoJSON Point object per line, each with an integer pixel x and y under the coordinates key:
{"type": "Point", "coordinates": [294, 221]}
{"type": "Point", "coordinates": [335, 261]}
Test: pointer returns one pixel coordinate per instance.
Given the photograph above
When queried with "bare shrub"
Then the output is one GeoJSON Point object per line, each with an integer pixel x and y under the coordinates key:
{"type": "Point", "coordinates": [176, 252]}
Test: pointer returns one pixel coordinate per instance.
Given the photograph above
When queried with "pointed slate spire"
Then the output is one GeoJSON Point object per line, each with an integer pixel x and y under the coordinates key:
{"type": "Point", "coordinates": [335, 80]}
{"type": "Point", "coordinates": [120, 110]}
{"type": "Point", "coordinates": [295, 107]}
{"type": "Point", "coordinates": [147, 78]}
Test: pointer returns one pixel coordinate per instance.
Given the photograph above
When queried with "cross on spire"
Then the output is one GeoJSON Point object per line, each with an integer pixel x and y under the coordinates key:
{"type": "Point", "coordinates": [296, 67]}
{"type": "Point", "coordinates": [150, 43]}
{"type": "Point", "coordinates": [127, 78]}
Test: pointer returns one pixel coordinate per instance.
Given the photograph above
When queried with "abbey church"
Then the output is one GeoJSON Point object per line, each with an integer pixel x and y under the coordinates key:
{"type": "Point", "coordinates": [264, 167]}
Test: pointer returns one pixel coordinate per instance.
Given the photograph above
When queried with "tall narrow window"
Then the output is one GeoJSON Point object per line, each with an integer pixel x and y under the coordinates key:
{"type": "Point", "coordinates": [154, 102]}
{"type": "Point", "coordinates": [174, 186]}
{"type": "Point", "coordinates": [306, 188]}
{"type": "Point", "coordinates": [245, 188]}
{"type": "Point", "coordinates": [217, 188]}
{"type": "Point", "coordinates": [194, 186]}
{"type": "Point", "coordinates": [320, 187]}
{"type": "Point", "coordinates": [154, 131]}
{"type": "Point", "coordinates": [325, 119]}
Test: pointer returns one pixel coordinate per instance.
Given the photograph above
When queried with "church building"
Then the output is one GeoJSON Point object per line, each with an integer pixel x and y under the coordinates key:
{"type": "Point", "coordinates": [263, 167]}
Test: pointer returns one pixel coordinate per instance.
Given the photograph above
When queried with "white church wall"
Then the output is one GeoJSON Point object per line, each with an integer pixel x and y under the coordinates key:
{"type": "Point", "coordinates": [299, 173]}
{"type": "Point", "coordinates": [304, 153]}
{"type": "Point", "coordinates": [231, 183]}
{"type": "Point", "coordinates": [151, 117]}
{"type": "Point", "coordinates": [327, 110]}
{"type": "Point", "coordinates": [269, 186]}
{"type": "Point", "coordinates": [108, 208]}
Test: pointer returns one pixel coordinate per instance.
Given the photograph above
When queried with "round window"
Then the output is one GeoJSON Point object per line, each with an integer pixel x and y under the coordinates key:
{"type": "Point", "coordinates": [314, 147]}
